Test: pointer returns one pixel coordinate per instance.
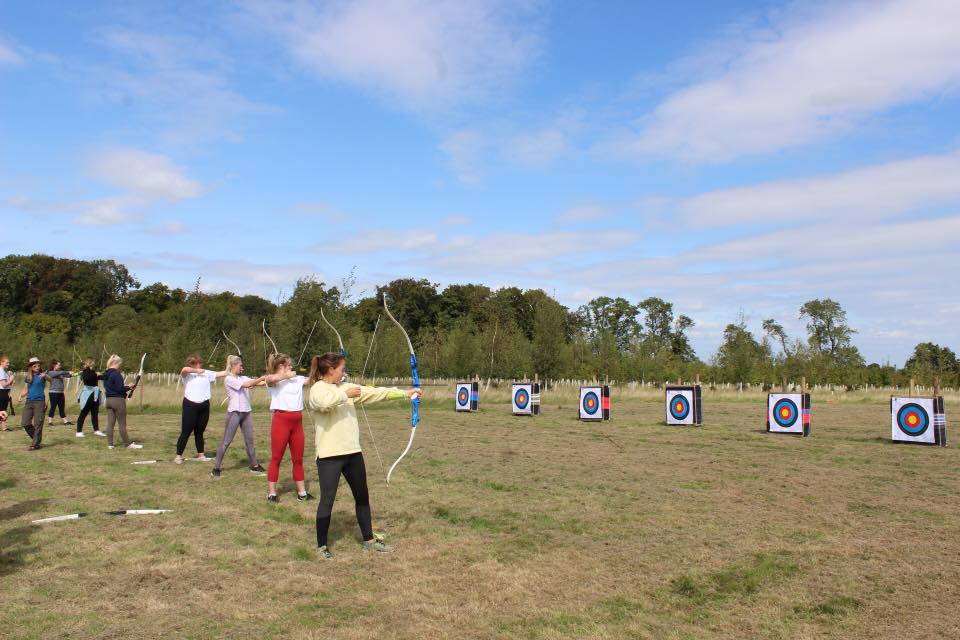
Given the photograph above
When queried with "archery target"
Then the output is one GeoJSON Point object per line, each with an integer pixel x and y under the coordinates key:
{"type": "Point", "coordinates": [463, 397]}
{"type": "Point", "coordinates": [525, 399]}
{"type": "Point", "coordinates": [788, 413]}
{"type": "Point", "coordinates": [913, 420]}
{"type": "Point", "coordinates": [683, 405]}
{"type": "Point", "coordinates": [591, 405]}
{"type": "Point", "coordinates": [467, 396]}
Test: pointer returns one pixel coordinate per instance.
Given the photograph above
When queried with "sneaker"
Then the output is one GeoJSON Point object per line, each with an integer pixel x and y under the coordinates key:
{"type": "Point", "coordinates": [81, 434]}
{"type": "Point", "coordinates": [134, 445]}
{"type": "Point", "coordinates": [376, 545]}
{"type": "Point", "coordinates": [324, 553]}
{"type": "Point", "coordinates": [178, 460]}
{"type": "Point", "coordinates": [272, 498]}
{"type": "Point", "coordinates": [100, 433]}
{"type": "Point", "coordinates": [305, 497]}
{"type": "Point", "coordinates": [259, 470]}
{"type": "Point", "coordinates": [33, 447]}
{"type": "Point", "coordinates": [215, 473]}
{"type": "Point", "coordinates": [66, 422]}
{"type": "Point", "coordinates": [202, 458]}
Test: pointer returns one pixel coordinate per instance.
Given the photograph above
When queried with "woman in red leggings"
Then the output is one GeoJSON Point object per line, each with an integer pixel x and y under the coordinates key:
{"type": "Point", "coordinates": [286, 427]}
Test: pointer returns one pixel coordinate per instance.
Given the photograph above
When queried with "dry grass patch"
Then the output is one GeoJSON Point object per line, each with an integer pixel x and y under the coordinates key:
{"type": "Point", "coordinates": [503, 527]}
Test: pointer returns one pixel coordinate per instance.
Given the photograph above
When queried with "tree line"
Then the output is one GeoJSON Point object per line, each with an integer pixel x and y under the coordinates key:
{"type": "Point", "coordinates": [69, 309]}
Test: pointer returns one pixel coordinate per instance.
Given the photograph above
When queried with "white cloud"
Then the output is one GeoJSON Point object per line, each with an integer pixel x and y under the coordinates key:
{"type": "Point", "coordinates": [424, 53]}
{"type": "Point", "coordinates": [9, 56]}
{"type": "Point", "coordinates": [148, 175]}
{"type": "Point", "coordinates": [807, 79]}
{"type": "Point", "coordinates": [384, 241]}
{"type": "Point", "coordinates": [537, 150]}
{"type": "Point", "coordinates": [181, 83]}
{"type": "Point", "coordinates": [866, 193]}
{"type": "Point", "coordinates": [109, 211]}
{"type": "Point", "coordinates": [582, 213]}
{"type": "Point", "coordinates": [168, 229]}
{"type": "Point", "coordinates": [465, 150]}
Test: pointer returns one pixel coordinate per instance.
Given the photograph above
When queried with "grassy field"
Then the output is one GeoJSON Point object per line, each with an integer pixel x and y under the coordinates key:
{"type": "Point", "coordinates": [503, 528]}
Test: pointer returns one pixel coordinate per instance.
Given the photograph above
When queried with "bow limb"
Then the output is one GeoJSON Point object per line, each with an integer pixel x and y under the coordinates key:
{"type": "Point", "coordinates": [136, 380]}
{"type": "Point", "coordinates": [263, 325]}
{"type": "Point", "coordinates": [235, 345]}
{"type": "Point", "coordinates": [307, 343]}
{"type": "Point", "coordinates": [415, 401]}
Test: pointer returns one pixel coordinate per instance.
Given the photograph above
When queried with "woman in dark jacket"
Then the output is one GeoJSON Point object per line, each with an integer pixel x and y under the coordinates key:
{"type": "Point", "coordinates": [116, 392]}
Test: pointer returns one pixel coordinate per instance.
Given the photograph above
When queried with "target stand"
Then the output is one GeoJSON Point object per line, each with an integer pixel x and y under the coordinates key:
{"type": "Point", "coordinates": [595, 403]}
{"type": "Point", "coordinates": [918, 420]}
{"type": "Point", "coordinates": [525, 399]}
{"type": "Point", "coordinates": [788, 413]}
{"type": "Point", "coordinates": [684, 404]}
{"type": "Point", "coordinates": [467, 398]}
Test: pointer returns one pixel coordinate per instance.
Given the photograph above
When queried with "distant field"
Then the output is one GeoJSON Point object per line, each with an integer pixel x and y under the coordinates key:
{"type": "Point", "coordinates": [503, 528]}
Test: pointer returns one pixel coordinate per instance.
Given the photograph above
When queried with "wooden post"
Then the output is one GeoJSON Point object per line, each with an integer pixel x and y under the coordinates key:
{"type": "Point", "coordinates": [783, 384]}
{"type": "Point", "coordinates": [936, 386]}
{"type": "Point", "coordinates": [803, 384]}
{"type": "Point", "coordinates": [911, 386]}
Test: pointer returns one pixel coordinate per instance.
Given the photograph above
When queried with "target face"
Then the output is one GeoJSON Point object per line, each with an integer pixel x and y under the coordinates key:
{"type": "Point", "coordinates": [521, 398]}
{"type": "Point", "coordinates": [912, 420]}
{"type": "Point", "coordinates": [463, 397]}
{"type": "Point", "coordinates": [679, 406]}
{"type": "Point", "coordinates": [785, 413]}
{"type": "Point", "coordinates": [591, 403]}
{"type": "Point", "coordinates": [523, 402]}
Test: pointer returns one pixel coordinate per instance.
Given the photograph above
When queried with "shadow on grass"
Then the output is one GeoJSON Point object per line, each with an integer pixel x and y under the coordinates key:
{"type": "Point", "coordinates": [16, 542]}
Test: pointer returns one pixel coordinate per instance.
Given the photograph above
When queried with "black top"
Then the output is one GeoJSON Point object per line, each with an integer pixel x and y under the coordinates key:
{"type": "Point", "coordinates": [90, 377]}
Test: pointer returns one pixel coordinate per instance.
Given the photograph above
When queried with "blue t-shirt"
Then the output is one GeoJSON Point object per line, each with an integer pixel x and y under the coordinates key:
{"type": "Point", "coordinates": [35, 387]}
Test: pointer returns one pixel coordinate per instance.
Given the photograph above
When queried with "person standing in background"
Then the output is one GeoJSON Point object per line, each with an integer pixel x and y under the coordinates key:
{"type": "Point", "coordinates": [32, 419]}
{"type": "Point", "coordinates": [116, 392]}
{"type": "Point", "coordinates": [56, 375]}
{"type": "Point", "coordinates": [90, 398]}
{"type": "Point", "coordinates": [6, 382]}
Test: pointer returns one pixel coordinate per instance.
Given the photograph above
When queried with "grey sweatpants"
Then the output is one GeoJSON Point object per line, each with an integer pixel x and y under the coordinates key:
{"type": "Point", "coordinates": [243, 420]}
{"type": "Point", "coordinates": [32, 420]}
{"type": "Point", "coordinates": [117, 413]}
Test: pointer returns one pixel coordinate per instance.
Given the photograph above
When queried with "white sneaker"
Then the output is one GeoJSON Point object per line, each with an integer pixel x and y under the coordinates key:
{"type": "Point", "coordinates": [202, 458]}
{"type": "Point", "coordinates": [178, 460]}
{"type": "Point", "coordinates": [81, 434]}
{"type": "Point", "coordinates": [134, 445]}
{"type": "Point", "coordinates": [100, 433]}
{"type": "Point", "coordinates": [110, 446]}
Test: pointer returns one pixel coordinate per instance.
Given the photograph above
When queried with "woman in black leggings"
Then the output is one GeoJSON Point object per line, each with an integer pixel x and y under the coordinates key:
{"type": "Point", "coordinates": [90, 398]}
{"type": "Point", "coordinates": [338, 443]}
{"type": "Point", "coordinates": [196, 406]}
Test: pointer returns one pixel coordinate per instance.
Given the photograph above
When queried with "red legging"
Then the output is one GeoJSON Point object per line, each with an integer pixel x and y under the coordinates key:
{"type": "Point", "coordinates": [286, 427]}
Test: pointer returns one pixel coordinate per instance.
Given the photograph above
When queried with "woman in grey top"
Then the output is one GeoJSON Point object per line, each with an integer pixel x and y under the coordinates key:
{"type": "Point", "coordinates": [56, 393]}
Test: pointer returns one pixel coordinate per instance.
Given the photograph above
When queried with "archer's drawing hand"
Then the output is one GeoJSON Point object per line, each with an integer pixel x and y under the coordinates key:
{"type": "Point", "coordinates": [353, 392]}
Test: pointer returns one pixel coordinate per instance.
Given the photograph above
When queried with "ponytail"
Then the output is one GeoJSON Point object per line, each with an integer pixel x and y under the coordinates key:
{"type": "Point", "coordinates": [276, 360]}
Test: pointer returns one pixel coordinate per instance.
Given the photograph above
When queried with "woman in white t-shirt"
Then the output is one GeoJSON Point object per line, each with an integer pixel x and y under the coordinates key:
{"type": "Point", "coordinates": [239, 414]}
{"type": "Point", "coordinates": [6, 381]}
{"type": "Point", "coordinates": [196, 405]}
{"type": "Point", "coordinates": [286, 426]}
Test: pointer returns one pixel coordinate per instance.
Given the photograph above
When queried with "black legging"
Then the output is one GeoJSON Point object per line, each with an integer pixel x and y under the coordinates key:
{"type": "Point", "coordinates": [193, 420]}
{"type": "Point", "coordinates": [355, 473]}
{"type": "Point", "coordinates": [93, 409]}
{"type": "Point", "coordinates": [4, 399]}
{"type": "Point", "coordinates": [57, 401]}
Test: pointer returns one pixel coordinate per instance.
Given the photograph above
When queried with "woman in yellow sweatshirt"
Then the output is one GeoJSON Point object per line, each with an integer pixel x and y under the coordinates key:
{"type": "Point", "coordinates": [338, 443]}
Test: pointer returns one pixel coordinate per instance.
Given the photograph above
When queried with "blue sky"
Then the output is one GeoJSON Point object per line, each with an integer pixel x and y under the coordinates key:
{"type": "Point", "coordinates": [729, 157]}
